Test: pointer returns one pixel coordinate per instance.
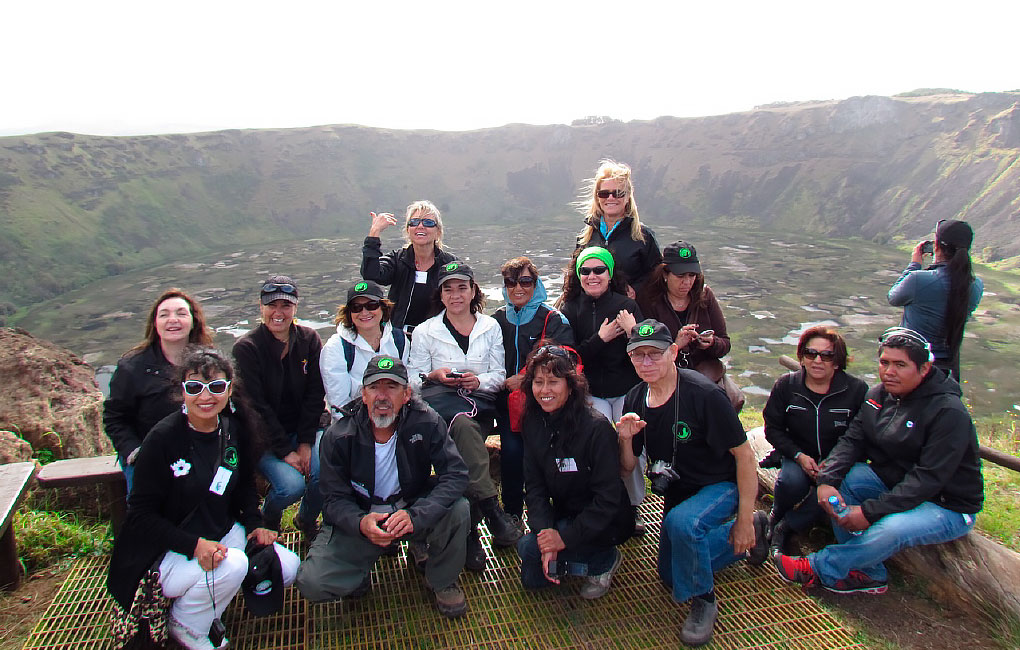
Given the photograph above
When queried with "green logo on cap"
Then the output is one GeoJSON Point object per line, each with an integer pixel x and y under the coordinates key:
{"type": "Point", "coordinates": [361, 286]}
{"type": "Point", "coordinates": [645, 330]}
{"type": "Point", "coordinates": [385, 364]}
{"type": "Point", "coordinates": [452, 266]}
{"type": "Point", "coordinates": [684, 253]}
{"type": "Point", "coordinates": [230, 457]}
{"type": "Point", "coordinates": [681, 430]}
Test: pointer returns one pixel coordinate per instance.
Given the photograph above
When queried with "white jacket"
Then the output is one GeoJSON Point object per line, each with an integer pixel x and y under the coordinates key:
{"type": "Point", "coordinates": [434, 347]}
{"type": "Point", "coordinates": [342, 386]}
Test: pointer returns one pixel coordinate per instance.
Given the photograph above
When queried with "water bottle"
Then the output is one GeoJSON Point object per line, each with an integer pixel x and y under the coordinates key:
{"type": "Point", "coordinates": [840, 509]}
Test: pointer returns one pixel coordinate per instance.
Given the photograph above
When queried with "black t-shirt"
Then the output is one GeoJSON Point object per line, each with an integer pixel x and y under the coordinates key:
{"type": "Point", "coordinates": [212, 519]}
{"type": "Point", "coordinates": [462, 341]}
{"type": "Point", "coordinates": [706, 428]}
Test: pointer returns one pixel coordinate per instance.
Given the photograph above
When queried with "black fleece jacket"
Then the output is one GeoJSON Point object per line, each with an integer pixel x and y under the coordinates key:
{"type": "Point", "coordinates": [606, 365]}
{"type": "Point", "coordinates": [396, 269]}
{"type": "Point", "coordinates": [141, 394]}
{"type": "Point", "coordinates": [923, 446]}
{"type": "Point", "coordinates": [634, 259]}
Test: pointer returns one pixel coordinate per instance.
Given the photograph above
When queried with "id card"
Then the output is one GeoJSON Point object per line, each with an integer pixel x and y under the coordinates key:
{"type": "Point", "coordinates": [220, 481]}
{"type": "Point", "coordinates": [566, 464]}
{"type": "Point", "coordinates": [421, 277]}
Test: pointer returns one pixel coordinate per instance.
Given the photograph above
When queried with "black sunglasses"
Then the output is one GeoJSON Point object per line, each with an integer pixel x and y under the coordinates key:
{"type": "Point", "coordinates": [525, 281]}
{"type": "Point", "coordinates": [826, 355]}
{"type": "Point", "coordinates": [605, 194]}
{"type": "Point", "coordinates": [554, 350]}
{"type": "Point", "coordinates": [216, 386]}
{"type": "Point", "coordinates": [356, 307]}
{"type": "Point", "coordinates": [427, 222]}
{"type": "Point", "coordinates": [273, 287]}
{"type": "Point", "coordinates": [597, 270]}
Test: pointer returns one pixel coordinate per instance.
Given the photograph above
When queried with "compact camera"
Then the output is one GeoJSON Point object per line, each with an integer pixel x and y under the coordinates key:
{"type": "Point", "coordinates": [660, 475]}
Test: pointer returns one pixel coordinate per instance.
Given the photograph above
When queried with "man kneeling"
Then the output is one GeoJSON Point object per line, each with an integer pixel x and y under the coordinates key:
{"type": "Point", "coordinates": [375, 479]}
{"type": "Point", "coordinates": [906, 472]}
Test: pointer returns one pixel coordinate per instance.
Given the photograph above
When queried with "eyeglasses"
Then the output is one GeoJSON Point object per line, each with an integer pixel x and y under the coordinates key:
{"type": "Point", "coordinates": [273, 287]}
{"type": "Point", "coordinates": [356, 307]}
{"type": "Point", "coordinates": [639, 357]}
{"type": "Point", "coordinates": [215, 387]}
{"type": "Point", "coordinates": [597, 270]}
{"type": "Point", "coordinates": [605, 194]}
{"type": "Point", "coordinates": [525, 281]}
{"type": "Point", "coordinates": [415, 221]}
{"type": "Point", "coordinates": [826, 355]}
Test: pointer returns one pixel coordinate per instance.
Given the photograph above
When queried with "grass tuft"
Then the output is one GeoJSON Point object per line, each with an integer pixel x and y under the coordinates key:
{"type": "Point", "coordinates": [45, 537]}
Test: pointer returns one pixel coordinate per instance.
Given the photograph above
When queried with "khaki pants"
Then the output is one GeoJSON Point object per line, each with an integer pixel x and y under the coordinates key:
{"type": "Point", "coordinates": [467, 434]}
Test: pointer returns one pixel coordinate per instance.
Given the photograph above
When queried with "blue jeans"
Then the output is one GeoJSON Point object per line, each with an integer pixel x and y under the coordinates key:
{"type": "Point", "coordinates": [694, 541]}
{"type": "Point", "coordinates": [794, 487]}
{"type": "Point", "coordinates": [928, 523]}
{"type": "Point", "coordinates": [598, 559]}
{"type": "Point", "coordinates": [287, 485]}
{"type": "Point", "coordinates": [129, 473]}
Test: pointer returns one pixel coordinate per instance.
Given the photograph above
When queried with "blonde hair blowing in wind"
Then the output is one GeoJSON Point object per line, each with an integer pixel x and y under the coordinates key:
{"type": "Point", "coordinates": [588, 203]}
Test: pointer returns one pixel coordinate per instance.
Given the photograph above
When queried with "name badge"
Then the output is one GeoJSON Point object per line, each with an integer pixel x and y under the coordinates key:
{"type": "Point", "coordinates": [566, 464]}
{"type": "Point", "coordinates": [421, 277]}
{"type": "Point", "coordinates": [220, 481]}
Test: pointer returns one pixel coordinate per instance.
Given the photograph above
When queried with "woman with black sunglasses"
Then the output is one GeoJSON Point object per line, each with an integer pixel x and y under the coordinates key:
{"type": "Point", "coordinates": [806, 413]}
{"type": "Point", "coordinates": [363, 330]}
{"type": "Point", "coordinates": [611, 221]}
{"type": "Point", "coordinates": [412, 272]}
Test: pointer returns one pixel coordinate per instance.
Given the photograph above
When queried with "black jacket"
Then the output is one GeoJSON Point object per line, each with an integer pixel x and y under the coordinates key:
{"type": "Point", "coordinates": [162, 498]}
{"type": "Point", "coordinates": [634, 259]}
{"type": "Point", "coordinates": [347, 466]}
{"type": "Point", "coordinates": [794, 424]}
{"type": "Point", "coordinates": [606, 365]}
{"type": "Point", "coordinates": [261, 369]}
{"type": "Point", "coordinates": [397, 270]}
{"type": "Point", "coordinates": [923, 447]}
{"type": "Point", "coordinates": [518, 340]}
{"type": "Point", "coordinates": [575, 475]}
{"type": "Point", "coordinates": [141, 394]}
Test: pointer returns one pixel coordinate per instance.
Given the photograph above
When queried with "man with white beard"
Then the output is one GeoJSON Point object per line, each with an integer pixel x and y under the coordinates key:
{"type": "Point", "coordinates": [377, 488]}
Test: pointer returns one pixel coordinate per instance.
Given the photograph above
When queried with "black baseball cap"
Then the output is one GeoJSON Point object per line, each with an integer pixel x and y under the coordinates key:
{"type": "Point", "coordinates": [263, 585]}
{"type": "Point", "coordinates": [681, 257]}
{"type": "Point", "coordinates": [279, 287]}
{"type": "Point", "coordinates": [650, 332]}
{"type": "Point", "coordinates": [455, 270]}
{"type": "Point", "coordinates": [383, 366]}
{"type": "Point", "coordinates": [365, 289]}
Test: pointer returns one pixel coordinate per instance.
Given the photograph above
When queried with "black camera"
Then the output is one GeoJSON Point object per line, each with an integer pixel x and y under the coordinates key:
{"type": "Point", "coordinates": [217, 631]}
{"type": "Point", "coordinates": [927, 247]}
{"type": "Point", "coordinates": [660, 475]}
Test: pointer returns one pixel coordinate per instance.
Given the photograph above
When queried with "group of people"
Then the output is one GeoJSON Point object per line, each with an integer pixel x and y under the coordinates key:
{"type": "Point", "coordinates": [381, 431]}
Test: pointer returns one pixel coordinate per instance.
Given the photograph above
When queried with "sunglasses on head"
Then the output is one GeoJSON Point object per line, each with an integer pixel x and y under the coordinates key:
{"type": "Point", "coordinates": [273, 287]}
{"type": "Point", "coordinates": [215, 387]}
{"type": "Point", "coordinates": [616, 194]}
{"type": "Point", "coordinates": [826, 355]}
{"type": "Point", "coordinates": [356, 307]}
{"type": "Point", "coordinates": [427, 222]}
{"type": "Point", "coordinates": [525, 281]}
{"type": "Point", "coordinates": [597, 270]}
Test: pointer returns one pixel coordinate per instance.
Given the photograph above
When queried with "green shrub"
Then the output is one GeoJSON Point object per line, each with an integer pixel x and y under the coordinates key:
{"type": "Point", "coordinates": [46, 537]}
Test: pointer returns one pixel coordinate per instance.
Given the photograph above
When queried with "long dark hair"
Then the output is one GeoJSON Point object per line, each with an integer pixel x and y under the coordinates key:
{"type": "Point", "coordinates": [561, 363]}
{"type": "Point", "coordinates": [199, 334]}
{"type": "Point", "coordinates": [655, 290]}
{"type": "Point", "coordinates": [961, 276]}
{"type": "Point", "coordinates": [572, 284]}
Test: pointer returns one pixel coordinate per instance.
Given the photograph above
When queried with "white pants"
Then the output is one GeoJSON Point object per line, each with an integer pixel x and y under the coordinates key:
{"type": "Point", "coordinates": [194, 590]}
{"type": "Point", "coordinates": [612, 408]}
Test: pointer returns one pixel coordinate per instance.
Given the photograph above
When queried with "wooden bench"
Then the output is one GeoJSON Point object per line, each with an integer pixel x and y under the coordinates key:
{"type": "Point", "coordinates": [14, 481]}
{"type": "Point", "coordinates": [77, 472]}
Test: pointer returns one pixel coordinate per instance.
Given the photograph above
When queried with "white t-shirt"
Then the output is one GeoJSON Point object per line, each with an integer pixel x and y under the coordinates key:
{"type": "Point", "coordinates": [387, 483]}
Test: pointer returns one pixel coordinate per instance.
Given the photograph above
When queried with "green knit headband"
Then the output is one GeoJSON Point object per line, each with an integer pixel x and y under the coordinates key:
{"type": "Point", "coordinates": [598, 253]}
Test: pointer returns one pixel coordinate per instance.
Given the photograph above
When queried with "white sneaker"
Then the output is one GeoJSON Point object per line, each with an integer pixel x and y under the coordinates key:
{"type": "Point", "coordinates": [191, 641]}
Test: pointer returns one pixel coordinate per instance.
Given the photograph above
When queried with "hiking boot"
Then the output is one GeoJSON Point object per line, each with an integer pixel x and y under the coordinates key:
{"type": "Point", "coordinates": [503, 530]}
{"type": "Point", "coordinates": [450, 601]}
{"type": "Point", "coordinates": [517, 522]}
{"type": "Point", "coordinates": [475, 560]}
{"type": "Point", "coordinates": [858, 583]}
{"type": "Point", "coordinates": [794, 569]}
{"type": "Point", "coordinates": [777, 539]}
{"type": "Point", "coordinates": [698, 626]}
{"type": "Point", "coordinates": [758, 553]}
{"type": "Point", "coordinates": [309, 529]}
{"type": "Point", "coordinates": [418, 553]}
{"type": "Point", "coordinates": [189, 640]}
{"type": "Point", "coordinates": [597, 586]}
{"type": "Point", "coordinates": [639, 523]}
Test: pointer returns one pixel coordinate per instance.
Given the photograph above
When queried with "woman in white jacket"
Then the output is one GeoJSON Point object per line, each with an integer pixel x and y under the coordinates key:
{"type": "Point", "coordinates": [458, 355]}
{"type": "Point", "coordinates": [363, 330]}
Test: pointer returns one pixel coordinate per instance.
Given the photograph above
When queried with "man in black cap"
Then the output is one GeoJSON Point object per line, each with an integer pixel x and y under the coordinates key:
{"type": "Point", "coordinates": [377, 489]}
{"type": "Point", "coordinates": [905, 473]}
{"type": "Point", "coordinates": [699, 460]}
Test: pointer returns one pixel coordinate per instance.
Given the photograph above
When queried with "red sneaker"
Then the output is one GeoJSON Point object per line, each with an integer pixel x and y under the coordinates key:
{"type": "Point", "coordinates": [794, 569]}
{"type": "Point", "coordinates": [858, 583]}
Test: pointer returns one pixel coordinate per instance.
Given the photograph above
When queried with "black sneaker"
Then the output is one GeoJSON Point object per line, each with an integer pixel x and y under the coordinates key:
{"type": "Point", "coordinates": [502, 528]}
{"type": "Point", "coordinates": [476, 558]}
{"type": "Point", "coordinates": [698, 626]}
{"type": "Point", "coordinates": [758, 553]}
{"type": "Point", "coordinates": [858, 583]}
{"type": "Point", "coordinates": [640, 526]}
{"type": "Point", "coordinates": [777, 538]}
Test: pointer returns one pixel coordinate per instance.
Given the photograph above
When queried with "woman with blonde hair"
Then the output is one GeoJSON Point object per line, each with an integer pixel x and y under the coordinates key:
{"type": "Point", "coordinates": [612, 222]}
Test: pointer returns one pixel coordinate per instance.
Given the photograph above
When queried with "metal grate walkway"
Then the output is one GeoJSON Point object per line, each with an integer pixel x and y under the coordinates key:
{"type": "Point", "coordinates": [757, 610]}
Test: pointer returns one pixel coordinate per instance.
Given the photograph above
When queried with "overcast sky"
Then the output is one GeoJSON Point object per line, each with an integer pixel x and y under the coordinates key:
{"type": "Point", "coordinates": [145, 66]}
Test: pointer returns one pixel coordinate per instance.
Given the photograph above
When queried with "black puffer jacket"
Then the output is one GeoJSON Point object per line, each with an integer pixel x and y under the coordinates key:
{"type": "Point", "coordinates": [606, 365]}
{"type": "Point", "coordinates": [794, 424]}
{"type": "Point", "coordinates": [575, 474]}
{"type": "Point", "coordinates": [396, 269]}
{"type": "Point", "coordinates": [634, 259]}
{"type": "Point", "coordinates": [141, 394]}
{"type": "Point", "coordinates": [923, 447]}
{"type": "Point", "coordinates": [347, 468]}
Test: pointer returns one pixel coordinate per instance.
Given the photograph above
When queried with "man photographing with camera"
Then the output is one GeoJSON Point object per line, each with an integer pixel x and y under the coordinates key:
{"type": "Point", "coordinates": [701, 463]}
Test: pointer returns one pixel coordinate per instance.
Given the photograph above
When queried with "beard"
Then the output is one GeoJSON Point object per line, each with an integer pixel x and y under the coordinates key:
{"type": "Point", "coordinates": [383, 421]}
